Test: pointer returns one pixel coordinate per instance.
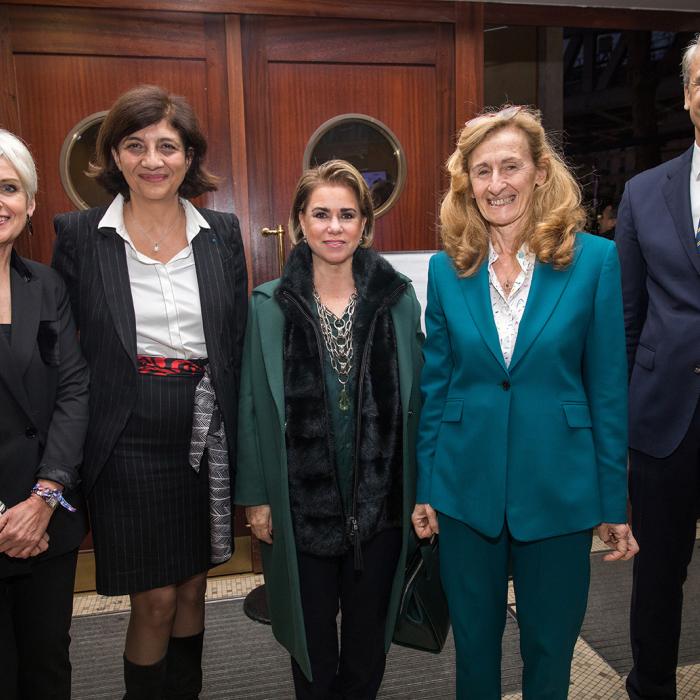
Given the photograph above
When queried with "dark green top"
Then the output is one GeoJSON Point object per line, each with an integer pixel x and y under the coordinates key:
{"type": "Point", "coordinates": [342, 422]}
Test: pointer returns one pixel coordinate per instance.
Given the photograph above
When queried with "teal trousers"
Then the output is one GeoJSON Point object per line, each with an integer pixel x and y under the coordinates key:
{"type": "Point", "coordinates": [550, 578]}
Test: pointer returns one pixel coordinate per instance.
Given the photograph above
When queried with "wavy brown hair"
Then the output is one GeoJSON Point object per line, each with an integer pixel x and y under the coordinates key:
{"type": "Point", "coordinates": [136, 109]}
{"type": "Point", "coordinates": [556, 212]}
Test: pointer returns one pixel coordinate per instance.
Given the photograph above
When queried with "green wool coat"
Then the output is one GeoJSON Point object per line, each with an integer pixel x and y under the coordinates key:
{"type": "Point", "coordinates": [261, 476]}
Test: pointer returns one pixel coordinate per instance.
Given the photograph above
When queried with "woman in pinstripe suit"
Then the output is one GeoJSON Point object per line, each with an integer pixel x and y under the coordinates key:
{"type": "Point", "coordinates": [158, 289]}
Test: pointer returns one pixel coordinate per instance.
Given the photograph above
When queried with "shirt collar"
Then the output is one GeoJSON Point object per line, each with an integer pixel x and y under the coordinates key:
{"type": "Point", "coordinates": [695, 164]}
{"type": "Point", "coordinates": [114, 218]}
{"type": "Point", "coordinates": [524, 257]}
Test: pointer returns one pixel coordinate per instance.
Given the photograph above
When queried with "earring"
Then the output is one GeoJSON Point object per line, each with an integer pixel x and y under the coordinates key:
{"type": "Point", "coordinates": [30, 228]}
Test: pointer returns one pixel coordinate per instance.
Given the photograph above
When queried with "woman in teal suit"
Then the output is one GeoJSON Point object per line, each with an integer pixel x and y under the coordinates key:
{"type": "Point", "coordinates": [522, 439]}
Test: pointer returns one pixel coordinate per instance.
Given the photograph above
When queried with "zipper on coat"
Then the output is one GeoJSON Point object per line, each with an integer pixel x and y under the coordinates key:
{"type": "Point", "coordinates": [353, 525]}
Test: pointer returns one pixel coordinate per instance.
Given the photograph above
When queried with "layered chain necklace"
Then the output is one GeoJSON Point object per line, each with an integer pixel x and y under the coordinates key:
{"type": "Point", "coordinates": [337, 336]}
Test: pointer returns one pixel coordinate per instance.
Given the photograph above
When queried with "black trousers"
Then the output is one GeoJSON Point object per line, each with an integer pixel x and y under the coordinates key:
{"type": "Point", "coordinates": [665, 497]}
{"type": "Point", "coordinates": [329, 583]}
{"type": "Point", "coordinates": [35, 618]}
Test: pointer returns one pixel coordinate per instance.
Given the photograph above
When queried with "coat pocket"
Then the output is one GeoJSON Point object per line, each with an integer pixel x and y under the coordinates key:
{"type": "Point", "coordinates": [645, 357]}
{"type": "Point", "coordinates": [578, 415]}
{"type": "Point", "coordinates": [47, 340]}
{"type": "Point", "coordinates": [452, 413]}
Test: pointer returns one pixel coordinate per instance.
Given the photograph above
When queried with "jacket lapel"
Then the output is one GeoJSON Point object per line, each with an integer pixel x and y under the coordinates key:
{"type": "Point", "coordinates": [115, 279]}
{"type": "Point", "coordinates": [26, 309]}
{"type": "Point", "coordinates": [212, 283]}
{"type": "Point", "coordinates": [475, 290]}
{"type": "Point", "coordinates": [548, 285]}
{"type": "Point", "coordinates": [271, 324]}
{"type": "Point", "coordinates": [676, 192]}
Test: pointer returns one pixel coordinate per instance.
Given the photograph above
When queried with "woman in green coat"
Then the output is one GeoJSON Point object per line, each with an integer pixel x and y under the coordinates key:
{"type": "Point", "coordinates": [328, 415]}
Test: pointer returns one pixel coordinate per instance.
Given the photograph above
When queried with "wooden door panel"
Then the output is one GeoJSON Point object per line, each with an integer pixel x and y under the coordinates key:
{"type": "Point", "coordinates": [314, 93]}
{"type": "Point", "coordinates": [299, 73]}
{"type": "Point", "coordinates": [58, 91]}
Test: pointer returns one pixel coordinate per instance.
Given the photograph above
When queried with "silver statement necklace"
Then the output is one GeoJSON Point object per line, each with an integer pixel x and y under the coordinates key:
{"type": "Point", "coordinates": [157, 243]}
{"type": "Point", "coordinates": [337, 337]}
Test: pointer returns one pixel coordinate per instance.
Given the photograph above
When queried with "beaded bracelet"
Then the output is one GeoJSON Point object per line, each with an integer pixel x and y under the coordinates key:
{"type": "Point", "coordinates": [53, 497]}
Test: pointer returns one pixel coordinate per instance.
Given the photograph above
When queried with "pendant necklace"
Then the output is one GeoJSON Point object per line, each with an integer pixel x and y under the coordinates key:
{"type": "Point", "coordinates": [156, 243]}
{"type": "Point", "coordinates": [337, 337]}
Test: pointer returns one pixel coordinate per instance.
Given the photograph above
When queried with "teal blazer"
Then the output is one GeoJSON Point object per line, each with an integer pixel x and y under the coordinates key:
{"type": "Point", "coordinates": [541, 444]}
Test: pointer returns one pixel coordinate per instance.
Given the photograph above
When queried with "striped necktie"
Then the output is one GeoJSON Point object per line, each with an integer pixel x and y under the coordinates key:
{"type": "Point", "coordinates": [697, 238]}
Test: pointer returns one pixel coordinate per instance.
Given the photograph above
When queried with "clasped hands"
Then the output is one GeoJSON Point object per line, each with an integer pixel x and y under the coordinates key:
{"type": "Point", "coordinates": [23, 528]}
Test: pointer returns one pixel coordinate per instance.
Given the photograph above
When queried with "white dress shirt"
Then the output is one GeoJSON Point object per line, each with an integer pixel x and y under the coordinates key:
{"type": "Point", "coordinates": [695, 187]}
{"type": "Point", "coordinates": [165, 295]}
{"type": "Point", "coordinates": [508, 309]}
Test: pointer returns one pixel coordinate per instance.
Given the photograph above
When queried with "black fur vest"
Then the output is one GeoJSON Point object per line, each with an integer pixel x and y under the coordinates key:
{"type": "Point", "coordinates": [320, 525]}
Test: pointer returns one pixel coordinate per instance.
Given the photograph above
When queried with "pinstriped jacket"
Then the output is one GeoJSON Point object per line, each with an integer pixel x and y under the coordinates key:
{"type": "Point", "coordinates": [93, 263]}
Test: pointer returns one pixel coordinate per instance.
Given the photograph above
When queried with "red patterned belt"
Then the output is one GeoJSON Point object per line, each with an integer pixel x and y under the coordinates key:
{"type": "Point", "coordinates": [168, 366]}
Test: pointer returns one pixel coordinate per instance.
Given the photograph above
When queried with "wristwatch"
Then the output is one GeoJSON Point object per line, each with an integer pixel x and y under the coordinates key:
{"type": "Point", "coordinates": [3, 507]}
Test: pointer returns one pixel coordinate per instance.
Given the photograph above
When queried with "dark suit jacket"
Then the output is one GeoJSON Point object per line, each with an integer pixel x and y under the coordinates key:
{"type": "Point", "coordinates": [44, 399]}
{"type": "Point", "coordinates": [93, 263]}
{"type": "Point", "coordinates": [655, 237]}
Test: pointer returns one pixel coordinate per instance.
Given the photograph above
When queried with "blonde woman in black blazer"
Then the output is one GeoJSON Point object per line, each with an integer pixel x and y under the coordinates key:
{"type": "Point", "coordinates": [43, 394]}
{"type": "Point", "coordinates": [158, 289]}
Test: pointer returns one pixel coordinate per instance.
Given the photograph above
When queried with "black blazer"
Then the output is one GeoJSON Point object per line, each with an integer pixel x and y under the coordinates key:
{"type": "Point", "coordinates": [44, 399]}
{"type": "Point", "coordinates": [93, 263]}
{"type": "Point", "coordinates": [655, 237]}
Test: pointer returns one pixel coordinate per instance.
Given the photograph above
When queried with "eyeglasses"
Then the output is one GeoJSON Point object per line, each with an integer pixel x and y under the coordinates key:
{"type": "Point", "coordinates": [505, 114]}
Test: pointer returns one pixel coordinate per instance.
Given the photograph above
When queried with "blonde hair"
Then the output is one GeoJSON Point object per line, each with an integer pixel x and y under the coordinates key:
{"type": "Point", "coordinates": [332, 172]}
{"type": "Point", "coordinates": [556, 212]}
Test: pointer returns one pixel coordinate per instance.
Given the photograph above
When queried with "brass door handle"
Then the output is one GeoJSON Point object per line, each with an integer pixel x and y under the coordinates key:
{"type": "Point", "coordinates": [279, 232]}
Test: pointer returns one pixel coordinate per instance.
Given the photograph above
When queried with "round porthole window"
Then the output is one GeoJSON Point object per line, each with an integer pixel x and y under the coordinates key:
{"type": "Point", "coordinates": [76, 153]}
{"type": "Point", "coordinates": [370, 146]}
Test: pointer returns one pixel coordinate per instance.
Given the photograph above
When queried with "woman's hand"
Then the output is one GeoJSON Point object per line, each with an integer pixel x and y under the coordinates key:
{"type": "Point", "coordinates": [23, 528]}
{"type": "Point", "coordinates": [620, 539]}
{"type": "Point", "coordinates": [424, 519]}
{"type": "Point", "coordinates": [260, 519]}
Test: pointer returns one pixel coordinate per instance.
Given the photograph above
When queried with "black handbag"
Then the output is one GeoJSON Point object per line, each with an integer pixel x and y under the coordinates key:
{"type": "Point", "coordinates": [423, 621]}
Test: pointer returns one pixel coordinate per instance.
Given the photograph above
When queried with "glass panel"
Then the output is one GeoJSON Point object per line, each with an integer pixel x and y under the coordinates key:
{"type": "Point", "coordinates": [370, 146]}
{"type": "Point", "coordinates": [76, 153]}
{"type": "Point", "coordinates": [613, 98]}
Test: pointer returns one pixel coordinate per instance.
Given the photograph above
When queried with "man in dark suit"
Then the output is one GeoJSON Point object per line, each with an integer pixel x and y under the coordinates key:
{"type": "Point", "coordinates": [658, 236]}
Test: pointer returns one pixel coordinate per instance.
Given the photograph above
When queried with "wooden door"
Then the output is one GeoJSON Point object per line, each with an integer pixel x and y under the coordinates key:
{"type": "Point", "coordinates": [300, 72]}
{"type": "Point", "coordinates": [68, 64]}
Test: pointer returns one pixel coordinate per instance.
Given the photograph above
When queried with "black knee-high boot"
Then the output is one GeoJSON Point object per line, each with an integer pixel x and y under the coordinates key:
{"type": "Point", "coordinates": [184, 675]}
{"type": "Point", "coordinates": [144, 682]}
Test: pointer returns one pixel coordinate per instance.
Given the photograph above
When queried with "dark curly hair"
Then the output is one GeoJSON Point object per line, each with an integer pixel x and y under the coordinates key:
{"type": "Point", "coordinates": [136, 109]}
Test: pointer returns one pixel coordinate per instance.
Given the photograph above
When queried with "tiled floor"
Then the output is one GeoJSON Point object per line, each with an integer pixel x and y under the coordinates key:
{"type": "Point", "coordinates": [218, 588]}
{"type": "Point", "coordinates": [591, 678]}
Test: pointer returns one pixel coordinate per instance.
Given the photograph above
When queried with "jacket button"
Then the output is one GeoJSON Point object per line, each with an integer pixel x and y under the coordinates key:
{"type": "Point", "coordinates": [410, 412]}
{"type": "Point", "coordinates": [505, 384]}
{"type": "Point", "coordinates": [30, 431]}
{"type": "Point", "coordinates": [696, 369]}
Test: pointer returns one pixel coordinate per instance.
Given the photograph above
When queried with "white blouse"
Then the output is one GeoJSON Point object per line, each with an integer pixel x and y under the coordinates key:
{"type": "Point", "coordinates": [165, 295]}
{"type": "Point", "coordinates": [508, 310]}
